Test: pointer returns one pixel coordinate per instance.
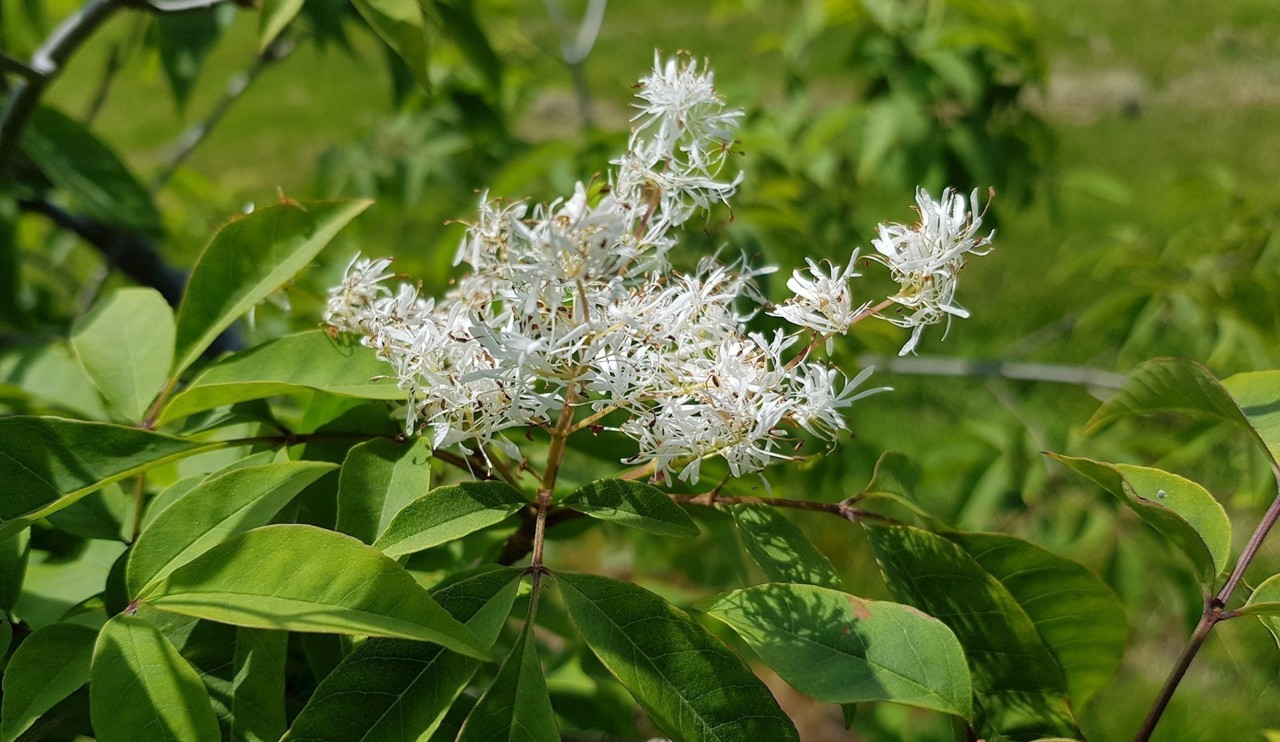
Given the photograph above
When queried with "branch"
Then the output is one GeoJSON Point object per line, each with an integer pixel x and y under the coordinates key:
{"type": "Point", "coordinates": [133, 256]}
{"type": "Point", "coordinates": [9, 64]}
{"type": "Point", "coordinates": [47, 64]}
{"type": "Point", "coordinates": [174, 6]}
{"type": "Point", "coordinates": [1054, 373]}
{"type": "Point", "coordinates": [843, 509]}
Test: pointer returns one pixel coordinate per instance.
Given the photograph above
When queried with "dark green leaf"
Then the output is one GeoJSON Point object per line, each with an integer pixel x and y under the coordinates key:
{"type": "Point", "coordinates": [47, 463]}
{"type": "Point", "coordinates": [1077, 615]}
{"type": "Point", "coordinates": [184, 40]}
{"type": "Point", "coordinates": [1174, 385]}
{"type": "Point", "coordinates": [1020, 687]}
{"type": "Point", "coordinates": [633, 504]}
{"type": "Point", "coordinates": [406, 687]}
{"type": "Point", "coordinates": [1258, 394]}
{"type": "Point", "coordinates": [448, 513]}
{"type": "Point", "coordinates": [77, 162]}
{"type": "Point", "coordinates": [304, 578]}
{"type": "Point", "coordinates": [216, 509]}
{"type": "Point", "coordinates": [14, 553]}
{"type": "Point", "coordinates": [516, 707]}
{"type": "Point", "coordinates": [99, 514]}
{"type": "Point", "coordinates": [780, 548]}
{"type": "Point", "coordinates": [379, 479]}
{"type": "Point", "coordinates": [275, 15]}
{"type": "Point", "coordinates": [46, 668]}
{"type": "Point", "coordinates": [693, 686]}
{"type": "Point", "coordinates": [838, 648]}
{"type": "Point", "coordinates": [463, 29]}
{"type": "Point", "coordinates": [249, 258]}
{"type": "Point", "coordinates": [287, 365]}
{"type": "Point", "coordinates": [402, 25]}
{"type": "Point", "coordinates": [141, 688]}
{"type": "Point", "coordinates": [258, 688]}
{"type": "Point", "coordinates": [126, 346]}
{"type": "Point", "coordinates": [1181, 510]}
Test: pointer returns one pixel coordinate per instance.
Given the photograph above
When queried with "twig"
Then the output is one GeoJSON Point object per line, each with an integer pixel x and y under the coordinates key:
{"type": "Point", "coordinates": [104, 85]}
{"type": "Point", "coordinates": [190, 139]}
{"type": "Point", "coordinates": [843, 509]}
{"type": "Point", "coordinates": [9, 64]}
{"type": "Point", "coordinates": [1213, 613]}
{"type": "Point", "coordinates": [174, 6]}
{"type": "Point", "coordinates": [930, 366]}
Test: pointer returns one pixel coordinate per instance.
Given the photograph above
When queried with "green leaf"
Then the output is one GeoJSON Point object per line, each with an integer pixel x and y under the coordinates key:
{"type": "Point", "coordinates": [14, 552]}
{"type": "Point", "coordinates": [249, 258]}
{"type": "Point", "coordinates": [402, 25]}
{"type": "Point", "coordinates": [406, 687]}
{"type": "Point", "coordinates": [57, 584]}
{"type": "Point", "coordinates": [693, 686]}
{"type": "Point", "coordinates": [275, 15]}
{"type": "Point", "coordinates": [100, 514]}
{"type": "Point", "coordinates": [463, 29]}
{"type": "Point", "coordinates": [633, 504]}
{"type": "Point", "coordinates": [379, 479]}
{"type": "Point", "coordinates": [1076, 614]}
{"type": "Point", "coordinates": [79, 163]}
{"type": "Point", "coordinates": [51, 664]}
{"type": "Point", "coordinates": [303, 578]}
{"type": "Point", "coordinates": [184, 40]}
{"type": "Point", "coordinates": [448, 513]}
{"type": "Point", "coordinates": [141, 688]}
{"type": "Point", "coordinates": [838, 648]}
{"type": "Point", "coordinates": [126, 346]}
{"type": "Point", "coordinates": [258, 688]}
{"type": "Point", "coordinates": [1176, 385]}
{"type": "Point", "coordinates": [1264, 603]}
{"type": "Point", "coordinates": [780, 548]}
{"type": "Point", "coordinates": [216, 509]}
{"type": "Point", "coordinates": [894, 480]}
{"type": "Point", "coordinates": [287, 365]}
{"type": "Point", "coordinates": [517, 706]}
{"type": "Point", "coordinates": [47, 463]}
{"type": "Point", "coordinates": [1258, 394]}
{"type": "Point", "coordinates": [1021, 689]}
{"type": "Point", "coordinates": [1181, 510]}
{"type": "Point", "coordinates": [48, 375]}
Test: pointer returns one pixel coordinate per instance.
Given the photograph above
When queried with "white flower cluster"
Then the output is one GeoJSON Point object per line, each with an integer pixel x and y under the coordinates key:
{"type": "Point", "coordinates": [574, 304]}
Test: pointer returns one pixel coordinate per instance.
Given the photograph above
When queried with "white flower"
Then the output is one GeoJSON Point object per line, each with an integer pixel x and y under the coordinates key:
{"type": "Point", "coordinates": [926, 259]}
{"type": "Point", "coordinates": [823, 301]}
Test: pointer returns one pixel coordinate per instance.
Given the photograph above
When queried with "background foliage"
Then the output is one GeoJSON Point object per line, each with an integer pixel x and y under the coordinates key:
{"type": "Point", "coordinates": [1133, 147]}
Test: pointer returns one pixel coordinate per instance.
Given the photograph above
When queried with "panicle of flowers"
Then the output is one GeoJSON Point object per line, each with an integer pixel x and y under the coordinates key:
{"type": "Point", "coordinates": [574, 303]}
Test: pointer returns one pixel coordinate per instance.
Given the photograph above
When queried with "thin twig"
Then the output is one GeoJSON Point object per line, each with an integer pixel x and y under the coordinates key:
{"type": "Point", "coordinates": [174, 6]}
{"type": "Point", "coordinates": [9, 64]}
{"type": "Point", "coordinates": [1054, 373]}
{"type": "Point", "coordinates": [843, 509]}
{"type": "Point", "coordinates": [109, 72]}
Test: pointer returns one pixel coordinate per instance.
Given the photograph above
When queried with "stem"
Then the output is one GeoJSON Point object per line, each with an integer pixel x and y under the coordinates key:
{"type": "Point", "coordinates": [555, 455]}
{"type": "Point", "coordinates": [1201, 633]}
{"type": "Point", "coordinates": [844, 509]}
{"type": "Point", "coordinates": [594, 418]}
{"type": "Point", "coordinates": [1213, 613]}
{"type": "Point", "coordinates": [1251, 548]}
{"type": "Point", "coordinates": [820, 339]}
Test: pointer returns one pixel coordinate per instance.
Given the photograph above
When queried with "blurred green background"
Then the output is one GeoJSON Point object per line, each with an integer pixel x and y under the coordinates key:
{"type": "Point", "coordinates": [1133, 147]}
